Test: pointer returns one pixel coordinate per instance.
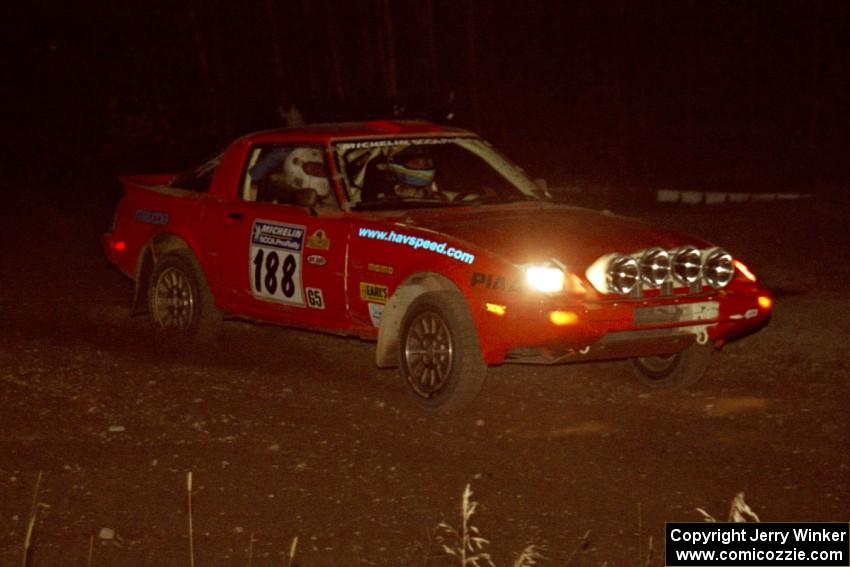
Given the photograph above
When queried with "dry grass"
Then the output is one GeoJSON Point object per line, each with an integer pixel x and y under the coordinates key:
{"type": "Point", "coordinates": [466, 544]}
{"type": "Point", "coordinates": [288, 559]}
{"type": "Point", "coordinates": [191, 527]}
{"type": "Point", "coordinates": [31, 522]}
{"type": "Point", "coordinates": [739, 511]}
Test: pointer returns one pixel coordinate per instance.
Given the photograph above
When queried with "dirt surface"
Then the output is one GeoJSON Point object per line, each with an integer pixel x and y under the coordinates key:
{"type": "Point", "coordinates": [290, 433]}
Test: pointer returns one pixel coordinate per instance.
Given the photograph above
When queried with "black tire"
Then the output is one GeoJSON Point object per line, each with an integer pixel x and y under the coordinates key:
{"type": "Point", "coordinates": [674, 371]}
{"type": "Point", "coordinates": [439, 354]}
{"type": "Point", "coordinates": [180, 302]}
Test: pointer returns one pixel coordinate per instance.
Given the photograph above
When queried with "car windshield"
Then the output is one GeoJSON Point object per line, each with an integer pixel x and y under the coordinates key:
{"type": "Point", "coordinates": [406, 173]}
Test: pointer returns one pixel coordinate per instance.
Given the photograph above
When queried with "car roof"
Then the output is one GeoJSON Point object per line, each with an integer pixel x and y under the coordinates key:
{"type": "Point", "coordinates": [327, 132]}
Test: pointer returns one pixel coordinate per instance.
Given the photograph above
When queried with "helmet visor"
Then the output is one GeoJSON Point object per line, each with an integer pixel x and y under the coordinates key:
{"type": "Point", "coordinates": [411, 176]}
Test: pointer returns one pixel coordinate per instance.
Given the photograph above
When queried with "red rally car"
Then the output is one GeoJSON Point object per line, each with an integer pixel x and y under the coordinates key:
{"type": "Point", "coordinates": [427, 240]}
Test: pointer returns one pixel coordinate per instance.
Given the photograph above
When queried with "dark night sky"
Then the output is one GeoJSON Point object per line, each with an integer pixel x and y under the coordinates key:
{"type": "Point", "coordinates": [748, 94]}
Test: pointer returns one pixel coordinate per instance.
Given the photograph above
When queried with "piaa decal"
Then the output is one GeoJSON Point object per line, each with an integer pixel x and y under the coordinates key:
{"type": "Point", "coordinates": [490, 281]}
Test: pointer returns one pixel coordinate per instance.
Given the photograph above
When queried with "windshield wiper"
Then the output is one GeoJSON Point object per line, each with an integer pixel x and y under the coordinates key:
{"type": "Point", "coordinates": [394, 204]}
{"type": "Point", "coordinates": [501, 199]}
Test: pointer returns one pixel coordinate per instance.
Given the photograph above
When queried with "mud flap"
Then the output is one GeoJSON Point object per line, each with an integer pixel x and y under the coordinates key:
{"type": "Point", "coordinates": [140, 293]}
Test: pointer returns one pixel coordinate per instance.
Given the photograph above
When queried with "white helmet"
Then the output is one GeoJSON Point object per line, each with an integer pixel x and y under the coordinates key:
{"type": "Point", "coordinates": [304, 168]}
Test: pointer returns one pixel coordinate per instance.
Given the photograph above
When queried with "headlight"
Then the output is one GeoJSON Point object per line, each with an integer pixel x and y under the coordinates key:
{"type": "Point", "coordinates": [718, 269]}
{"type": "Point", "coordinates": [545, 278]}
{"type": "Point", "coordinates": [685, 265]}
{"type": "Point", "coordinates": [622, 274]}
{"type": "Point", "coordinates": [654, 266]}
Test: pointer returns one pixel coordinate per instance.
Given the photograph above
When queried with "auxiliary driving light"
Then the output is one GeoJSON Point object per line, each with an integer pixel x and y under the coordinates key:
{"type": "Point", "coordinates": [685, 265]}
{"type": "Point", "coordinates": [654, 266]}
{"type": "Point", "coordinates": [622, 275]}
{"type": "Point", "coordinates": [717, 269]}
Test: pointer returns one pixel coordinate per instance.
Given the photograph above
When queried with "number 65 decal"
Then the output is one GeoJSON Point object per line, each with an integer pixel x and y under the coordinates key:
{"type": "Point", "coordinates": [315, 298]}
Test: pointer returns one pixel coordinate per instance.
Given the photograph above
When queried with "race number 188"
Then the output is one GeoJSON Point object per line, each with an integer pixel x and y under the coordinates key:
{"type": "Point", "coordinates": [276, 275]}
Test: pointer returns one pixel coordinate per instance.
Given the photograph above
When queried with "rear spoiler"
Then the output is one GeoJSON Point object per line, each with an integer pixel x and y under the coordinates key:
{"type": "Point", "coordinates": [145, 180]}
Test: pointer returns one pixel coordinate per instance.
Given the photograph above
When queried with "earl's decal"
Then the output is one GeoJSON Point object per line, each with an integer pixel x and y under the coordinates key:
{"type": "Point", "coordinates": [319, 240]}
{"type": "Point", "coordinates": [490, 281]}
{"type": "Point", "coordinates": [374, 293]}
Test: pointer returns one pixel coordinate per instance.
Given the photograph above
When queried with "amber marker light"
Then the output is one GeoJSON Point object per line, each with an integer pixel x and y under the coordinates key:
{"type": "Point", "coordinates": [563, 318]}
{"type": "Point", "coordinates": [119, 246]}
{"type": "Point", "coordinates": [765, 302]}
{"type": "Point", "coordinates": [745, 271]}
{"type": "Point", "coordinates": [495, 308]}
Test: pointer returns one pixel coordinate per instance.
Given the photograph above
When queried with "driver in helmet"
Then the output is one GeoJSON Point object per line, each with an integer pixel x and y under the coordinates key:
{"type": "Point", "coordinates": [413, 173]}
{"type": "Point", "coordinates": [304, 168]}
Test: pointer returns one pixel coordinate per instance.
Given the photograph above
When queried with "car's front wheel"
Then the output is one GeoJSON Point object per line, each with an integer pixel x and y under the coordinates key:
{"type": "Point", "coordinates": [439, 353]}
{"type": "Point", "coordinates": [673, 371]}
{"type": "Point", "coordinates": [180, 301]}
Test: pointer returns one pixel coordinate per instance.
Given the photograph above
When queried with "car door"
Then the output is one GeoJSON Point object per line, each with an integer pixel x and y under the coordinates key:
{"type": "Point", "coordinates": [280, 261]}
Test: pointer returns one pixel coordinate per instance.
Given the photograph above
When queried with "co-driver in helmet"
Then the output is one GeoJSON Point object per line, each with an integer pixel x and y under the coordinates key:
{"type": "Point", "coordinates": [304, 168]}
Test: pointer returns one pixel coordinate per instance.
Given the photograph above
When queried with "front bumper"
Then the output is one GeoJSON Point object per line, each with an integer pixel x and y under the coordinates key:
{"type": "Point", "coordinates": [551, 331]}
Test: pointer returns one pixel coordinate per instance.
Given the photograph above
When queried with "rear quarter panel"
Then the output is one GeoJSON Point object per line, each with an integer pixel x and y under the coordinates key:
{"type": "Point", "coordinates": [147, 211]}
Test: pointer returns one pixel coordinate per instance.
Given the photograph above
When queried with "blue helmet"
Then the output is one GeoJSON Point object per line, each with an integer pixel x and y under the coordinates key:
{"type": "Point", "coordinates": [413, 167]}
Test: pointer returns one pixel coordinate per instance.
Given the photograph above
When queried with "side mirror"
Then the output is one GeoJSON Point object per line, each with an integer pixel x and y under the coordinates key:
{"type": "Point", "coordinates": [543, 186]}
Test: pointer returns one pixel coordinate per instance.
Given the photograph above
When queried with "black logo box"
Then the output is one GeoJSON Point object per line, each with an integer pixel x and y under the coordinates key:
{"type": "Point", "coordinates": [790, 544]}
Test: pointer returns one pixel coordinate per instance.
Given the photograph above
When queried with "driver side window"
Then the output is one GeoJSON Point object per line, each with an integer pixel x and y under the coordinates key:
{"type": "Point", "coordinates": [288, 174]}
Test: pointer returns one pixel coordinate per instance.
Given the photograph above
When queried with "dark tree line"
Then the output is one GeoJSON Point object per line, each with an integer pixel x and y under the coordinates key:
{"type": "Point", "coordinates": [657, 91]}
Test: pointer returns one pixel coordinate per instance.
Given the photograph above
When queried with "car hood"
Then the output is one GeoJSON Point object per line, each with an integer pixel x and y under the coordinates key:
{"type": "Point", "coordinates": [535, 232]}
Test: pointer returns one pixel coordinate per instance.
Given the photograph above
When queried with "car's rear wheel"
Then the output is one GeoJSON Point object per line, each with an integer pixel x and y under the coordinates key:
{"type": "Point", "coordinates": [673, 371]}
{"type": "Point", "coordinates": [180, 301]}
{"type": "Point", "coordinates": [439, 354]}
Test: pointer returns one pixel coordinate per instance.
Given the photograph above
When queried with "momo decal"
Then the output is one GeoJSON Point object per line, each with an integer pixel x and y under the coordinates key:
{"type": "Point", "coordinates": [417, 243]}
{"type": "Point", "coordinates": [316, 260]}
{"type": "Point", "coordinates": [275, 267]}
{"type": "Point", "coordinates": [319, 240]}
{"type": "Point", "coordinates": [491, 281]}
{"type": "Point", "coordinates": [315, 299]}
{"type": "Point", "coordinates": [380, 268]}
{"type": "Point", "coordinates": [151, 217]}
{"type": "Point", "coordinates": [376, 311]}
{"type": "Point", "coordinates": [374, 292]}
